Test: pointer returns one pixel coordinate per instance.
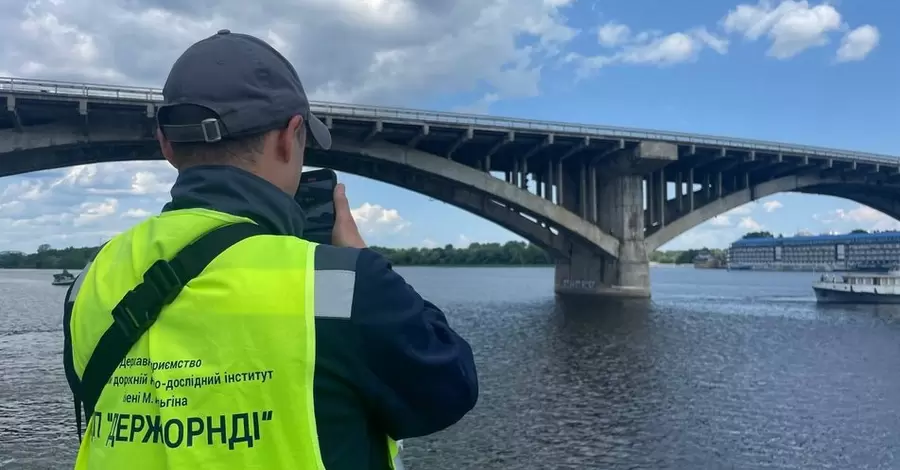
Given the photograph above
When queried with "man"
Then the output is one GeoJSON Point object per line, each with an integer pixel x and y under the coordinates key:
{"type": "Point", "coordinates": [249, 347]}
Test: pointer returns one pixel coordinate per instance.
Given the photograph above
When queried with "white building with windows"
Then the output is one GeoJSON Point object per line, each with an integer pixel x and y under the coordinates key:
{"type": "Point", "coordinates": [854, 251]}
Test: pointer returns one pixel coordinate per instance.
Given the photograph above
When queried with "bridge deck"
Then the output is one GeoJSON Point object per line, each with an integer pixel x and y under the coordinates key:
{"type": "Point", "coordinates": [40, 102]}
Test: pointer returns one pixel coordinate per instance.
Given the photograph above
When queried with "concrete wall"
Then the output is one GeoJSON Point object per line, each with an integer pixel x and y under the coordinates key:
{"type": "Point", "coordinates": [621, 214]}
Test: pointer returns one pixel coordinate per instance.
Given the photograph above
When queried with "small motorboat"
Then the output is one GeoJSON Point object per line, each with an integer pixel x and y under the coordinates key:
{"type": "Point", "coordinates": [64, 278]}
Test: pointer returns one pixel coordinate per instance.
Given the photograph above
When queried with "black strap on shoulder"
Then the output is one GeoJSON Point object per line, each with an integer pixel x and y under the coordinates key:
{"type": "Point", "coordinates": [140, 307]}
{"type": "Point", "coordinates": [68, 363]}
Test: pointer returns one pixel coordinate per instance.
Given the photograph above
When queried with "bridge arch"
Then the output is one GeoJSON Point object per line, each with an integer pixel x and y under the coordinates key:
{"type": "Point", "coordinates": [883, 199]}
{"type": "Point", "coordinates": [809, 184]}
{"type": "Point", "coordinates": [459, 185]}
{"type": "Point", "coordinates": [495, 193]}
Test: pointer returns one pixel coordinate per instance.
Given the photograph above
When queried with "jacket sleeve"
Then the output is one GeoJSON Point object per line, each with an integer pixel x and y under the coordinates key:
{"type": "Point", "coordinates": [422, 376]}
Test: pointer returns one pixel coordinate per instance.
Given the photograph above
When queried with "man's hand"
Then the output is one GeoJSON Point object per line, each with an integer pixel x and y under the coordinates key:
{"type": "Point", "coordinates": [345, 232]}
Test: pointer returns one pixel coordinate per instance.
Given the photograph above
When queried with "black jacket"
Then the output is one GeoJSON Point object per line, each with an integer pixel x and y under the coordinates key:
{"type": "Point", "coordinates": [393, 367]}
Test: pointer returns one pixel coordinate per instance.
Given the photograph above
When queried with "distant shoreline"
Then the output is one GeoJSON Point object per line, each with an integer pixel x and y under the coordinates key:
{"type": "Point", "coordinates": [476, 254]}
{"type": "Point", "coordinates": [392, 264]}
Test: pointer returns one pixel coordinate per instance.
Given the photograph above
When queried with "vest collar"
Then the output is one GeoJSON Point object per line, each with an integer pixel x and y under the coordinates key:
{"type": "Point", "coordinates": [237, 192]}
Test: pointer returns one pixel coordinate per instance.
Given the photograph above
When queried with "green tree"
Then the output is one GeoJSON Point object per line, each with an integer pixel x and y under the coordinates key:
{"type": "Point", "coordinates": [48, 258]}
{"type": "Point", "coordinates": [511, 253]}
{"type": "Point", "coordinates": [761, 234]}
{"type": "Point", "coordinates": [685, 256]}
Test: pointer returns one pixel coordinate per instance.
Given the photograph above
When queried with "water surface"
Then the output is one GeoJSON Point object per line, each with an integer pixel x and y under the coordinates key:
{"type": "Point", "coordinates": [732, 370]}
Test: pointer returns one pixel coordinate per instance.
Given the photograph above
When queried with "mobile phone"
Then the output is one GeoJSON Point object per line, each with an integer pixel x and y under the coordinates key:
{"type": "Point", "coordinates": [316, 197]}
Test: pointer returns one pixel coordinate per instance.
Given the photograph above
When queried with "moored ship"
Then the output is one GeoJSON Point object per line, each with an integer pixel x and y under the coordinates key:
{"type": "Point", "coordinates": [858, 288]}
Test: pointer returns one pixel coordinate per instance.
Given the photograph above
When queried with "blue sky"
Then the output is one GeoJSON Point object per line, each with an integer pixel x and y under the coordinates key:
{"type": "Point", "coordinates": [800, 72]}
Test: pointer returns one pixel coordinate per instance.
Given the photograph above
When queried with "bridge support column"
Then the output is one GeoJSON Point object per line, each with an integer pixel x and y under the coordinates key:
{"type": "Point", "coordinates": [621, 214]}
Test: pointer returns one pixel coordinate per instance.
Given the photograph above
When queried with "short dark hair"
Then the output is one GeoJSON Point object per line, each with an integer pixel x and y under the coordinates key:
{"type": "Point", "coordinates": [232, 151]}
{"type": "Point", "coordinates": [241, 150]}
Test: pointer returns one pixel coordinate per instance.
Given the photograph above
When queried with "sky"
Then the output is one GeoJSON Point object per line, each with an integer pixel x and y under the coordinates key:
{"type": "Point", "coordinates": [793, 71]}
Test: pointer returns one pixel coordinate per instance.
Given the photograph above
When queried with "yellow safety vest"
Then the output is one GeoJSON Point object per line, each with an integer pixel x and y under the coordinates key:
{"type": "Point", "coordinates": [224, 377]}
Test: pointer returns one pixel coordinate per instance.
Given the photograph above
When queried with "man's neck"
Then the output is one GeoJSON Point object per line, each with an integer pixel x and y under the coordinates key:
{"type": "Point", "coordinates": [233, 190]}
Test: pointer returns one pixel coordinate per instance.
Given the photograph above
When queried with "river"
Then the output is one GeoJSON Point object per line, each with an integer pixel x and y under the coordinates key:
{"type": "Point", "coordinates": [730, 370]}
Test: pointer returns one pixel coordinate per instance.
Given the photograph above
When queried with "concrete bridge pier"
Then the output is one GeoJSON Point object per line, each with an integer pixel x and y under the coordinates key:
{"type": "Point", "coordinates": [620, 212]}
{"type": "Point", "coordinates": [617, 198]}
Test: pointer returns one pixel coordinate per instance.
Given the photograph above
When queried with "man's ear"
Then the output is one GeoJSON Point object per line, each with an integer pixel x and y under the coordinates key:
{"type": "Point", "coordinates": [287, 139]}
{"type": "Point", "coordinates": [165, 147]}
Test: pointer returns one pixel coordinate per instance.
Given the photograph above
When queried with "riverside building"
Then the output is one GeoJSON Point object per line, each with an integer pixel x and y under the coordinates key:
{"type": "Point", "coordinates": [852, 251]}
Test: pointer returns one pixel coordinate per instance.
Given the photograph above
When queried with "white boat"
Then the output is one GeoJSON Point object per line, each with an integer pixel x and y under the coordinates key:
{"type": "Point", "coordinates": [64, 278]}
{"type": "Point", "coordinates": [858, 288]}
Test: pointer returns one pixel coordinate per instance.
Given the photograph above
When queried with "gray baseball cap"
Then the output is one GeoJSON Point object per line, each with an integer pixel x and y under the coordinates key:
{"type": "Point", "coordinates": [231, 85]}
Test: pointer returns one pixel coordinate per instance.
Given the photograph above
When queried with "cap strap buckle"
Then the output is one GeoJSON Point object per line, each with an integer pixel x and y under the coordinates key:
{"type": "Point", "coordinates": [211, 130]}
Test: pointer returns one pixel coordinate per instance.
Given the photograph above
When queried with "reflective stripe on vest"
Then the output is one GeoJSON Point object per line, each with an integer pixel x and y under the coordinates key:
{"type": "Point", "coordinates": [220, 380]}
{"type": "Point", "coordinates": [335, 283]}
{"type": "Point", "coordinates": [394, 448]}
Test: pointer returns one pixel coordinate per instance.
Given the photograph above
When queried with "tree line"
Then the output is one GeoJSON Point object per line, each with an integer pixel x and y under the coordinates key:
{"type": "Point", "coordinates": [684, 256]}
{"type": "Point", "coordinates": [512, 253]}
{"type": "Point", "coordinates": [47, 257]}
{"type": "Point", "coordinates": [477, 254]}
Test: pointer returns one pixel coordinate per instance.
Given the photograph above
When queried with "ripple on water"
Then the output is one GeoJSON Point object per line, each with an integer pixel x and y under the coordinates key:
{"type": "Point", "coordinates": [735, 370]}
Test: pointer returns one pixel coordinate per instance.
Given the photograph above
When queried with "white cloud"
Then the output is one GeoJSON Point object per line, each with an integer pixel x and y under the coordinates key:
{"type": "Point", "coordinates": [136, 213]}
{"type": "Point", "coordinates": [67, 48]}
{"type": "Point", "coordinates": [710, 40]}
{"type": "Point", "coordinates": [11, 208]}
{"type": "Point", "coordinates": [704, 236]}
{"type": "Point", "coordinates": [373, 219]}
{"type": "Point", "coordinates": [772, 206]}
{"type": "Point", "coordinates": [87, 205]}
{"type": "Point", "coordinates": [386, 52]}
{"type": "Point", "coordinates": [857, 44]}
{"type": "Point", "coordinates": [795, 26]}
{"type": "Point", "coordinates": [140, 178]}
{"type": "Point", "coordinates": [463, 241]}
{"type": "Point", "coordinates": [389, 51]}
{"type": "Point", "coordinates": [718, 232]}
{"type": "Point", "coordinates": [646, 48]}
{"type": "Point", "coordinates": [92, 211]}
{"type": "Point", "coordinates": [673, 48]}
{"type": "Point", "coordinates": [613, 34]}
{"type": "Point", "coordinates": [861, 216]}
{"type": "Point", "coordinates": [429, 243]}
{"type": "Point", "coordinates": [481, 106]}
{"type": "Point", "coordinates": [82, 205]}
{"type": "Point", "coordinates": [749, 224]}
{"type": "Point", "coordinates": [150, 182]}
{"type": "Point", "coordinates": [720, 221]}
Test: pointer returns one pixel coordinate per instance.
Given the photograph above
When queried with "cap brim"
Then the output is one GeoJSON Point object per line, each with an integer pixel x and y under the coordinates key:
{"type": "Point", "coordinates": [319, 131]}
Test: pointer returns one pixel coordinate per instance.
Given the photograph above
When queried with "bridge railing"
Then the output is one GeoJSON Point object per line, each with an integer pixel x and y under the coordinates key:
{"type": "Point", "coordinates": [80, 89]}
{"type": "Point", "coordinates": [500, 123]}
{"type": "Point", "coordinates": [504, 123]}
